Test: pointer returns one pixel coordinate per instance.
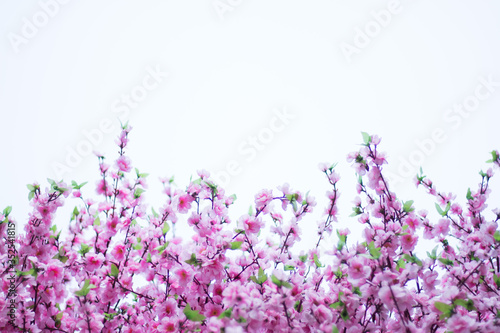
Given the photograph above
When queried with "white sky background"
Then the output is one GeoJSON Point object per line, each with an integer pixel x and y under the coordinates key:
{"type": "Point", "coordinates": [227, 74]}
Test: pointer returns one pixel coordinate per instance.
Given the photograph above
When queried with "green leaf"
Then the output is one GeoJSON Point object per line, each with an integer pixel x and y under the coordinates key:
{"type": "Point", "coordinates": [366, 138]}
{"type": "Point", "coordinates": [262, 276]}
{"type": "Point", "coordinates": [114, 271]}
{"type": "Point", "coordinates": [192, 314]}
{"type": "Point", "coordinates": [407, 207]}
{"type": "Point", "coordinates": [356, 211]}
{"type": "Point", "coordinates": [280, 283]}
{"type": "Point", "coordinates": [250, 211]}
{"type": "Point", "coordinates": [85, 289]}
{"type": "Point", "coordinates": [344, 314]}
{"type": "Point", "coordinates": [445, 261]}
{"type": "Point", "coordinates": [335, 329]}
{"type": "Point", "coordinates": [433, 254]}
{"type": "Point", "coordinates": [494, 157]}
{"type": "Point", "coordinates": [303, 258]}
{"type": "Point", "coordinates": [438, 208]}
{"type": "Point", "coordinates": [97, 221]}
{"type": "Point", "coordinates": [236, 245]}
{"type": "Point", "coordinates": [226, 313]}
{"type": "Point", "coordinates": [357, 291]}
{"type": "Point", "coordinates": [155, 214]}
{"type": "Point", "coordinates": [467, 304]}
{"type": "Point", "coordinates": [84, 249]}
{"type": "Point", "coordinates": [76, 186]}
{"type": "Point", "coordinates": [496, 279]}
{"type": "Point", "coordinates": [165, 228]}
{"type": "Point", "coordinates": [289, 268]}
{"type": "Point", "coordinates": [193, 261]}
{"type": "Point", "coordinates": [374, 252]}
{"type": "Point", "coordinates": [444, 308]}
{"type": "Point", "coordinates": [469, 195]}
{"type": "Point", "coordinates": [336, 305]}
{"type": "Point", "coordinates": [298, 306]}
{"type": "Point", "coordinates": [342, 241]}
{"type": "Point", "coordinates": [401, 264]}
{"type": "Point", "coordinates": [497, 236]}
{"type": "Point", "coordinates": [7, 211]}
{"type": "Point", "coordinates": [138, 191]}
{"type": "Point", "coordinates": [316, 261]}
{"type": "Point", "coordinates": [413, 259]}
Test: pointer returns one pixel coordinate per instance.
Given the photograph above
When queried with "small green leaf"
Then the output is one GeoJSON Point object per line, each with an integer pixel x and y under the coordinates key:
{"type": "Point", "coordinates": [165, 228]}
{"type": "Point", "coordinates": [193, 261]}
{"type": "Point", "coordinates": [407, 207]}
{"type": "Point", "coordinates": [226, 313]}
{"type": "Point", "coordinates": [366, 138]}
{"type": "Point", "coordinates": [298, 306]}
{"type": "Point", "coordinates": [357, 291]}
{"type": "Point", "coordinates": [85, 289]}
{"type": "Point", "coordinates": [374, 252]}
{"type": "Point", "coordinates": [444, 308]}
{"type": "Point", "coordinates": [262, 276]}
{"type": "Point", "coordinates": [494, 157]}
{"type": "Point", "coordinates": [316, 261]}
{"type": "Point", "coordinates": [236, 245]}
{"type": "Point", "coordinates": [303, 258]}
{"type": "Point", "coordinates": [344, 314]}
{"type": "Point", "coordinates": [438, 208]}
{"type": "Point", "coordinates": [84, 249]}
{"type": "Point", "coordinates": [7, 211]}
{"type": "Point", "coordinates": [336, 305]}
{"type": "Point", "coordinates": [496, 279]}
{"type": "Point", "coordinates": [280, 283]}
{"type": "Point", "coordinates": [335, 329]}
{"type": "Point", "coordinates": [445, 261]}
{"type": "Point", "coordinates": [467, 304]}
{"type": "Point", "coordinates": [433, 254]}
{"type": "Point", "coordinates": [497, 236]}
{"type": "Point", "coordinates": [289, 268]}
{"type": "Point", "coordinates": [356, 211]}
{"type": "Point", "coordinates": [114, 271]}
{"type": "Point", "coordinates": [401, 264]}
{"type": "Point", "coordinates": [469, 195]}
{"type": "Point", "coordinates": [138, 191]}
{"type": "Point", "coordinates": [192, 314]}
{"type": "Point", "coordinates": [342, 241]}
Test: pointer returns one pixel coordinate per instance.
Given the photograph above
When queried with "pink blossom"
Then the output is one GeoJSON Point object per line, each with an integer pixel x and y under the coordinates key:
{"type": "Point", "coordinates": [94, 261]}
{"type": "Point", "coordinates": [118, 252]}
{"type": "Point", "coordinates": [184, 276]}
{"type": "Point", "coordinates": [184, 203]}
{"type": "Point", "coordinates": [250, 224]}
{"type": "Point", "coordinates": [123, 163]}
{"type": "Point", "coordinates": [461, 324]}
{"type": "Point", "coordinates": [358, 269]}
{"type": "Point", "coordinates": [408, 242]}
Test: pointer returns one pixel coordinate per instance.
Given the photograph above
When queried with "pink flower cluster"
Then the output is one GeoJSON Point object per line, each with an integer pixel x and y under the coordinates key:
{"type": "Point", "coordinates": [122, 270]}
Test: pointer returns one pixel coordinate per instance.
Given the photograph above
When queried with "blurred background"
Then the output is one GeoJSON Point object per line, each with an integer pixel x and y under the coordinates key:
{"type": "Point", "coordinates": [256, 92]}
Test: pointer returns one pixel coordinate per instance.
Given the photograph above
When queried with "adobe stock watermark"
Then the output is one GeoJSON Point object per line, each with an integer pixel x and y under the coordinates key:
{"type": "Point", "coordinates": [31, 26]}
{"type": "Point", "coordinates": [222, 7]}
{"type": "Point", "coordinates": [409, 166]}
{"type": "Point", "coordinates": [364, 36]}
{"type": "Point", "coordinates": [249, 148]}
{"type": "Point", "coordinates": [122, 107]}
